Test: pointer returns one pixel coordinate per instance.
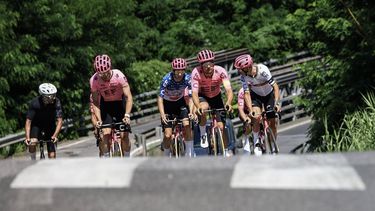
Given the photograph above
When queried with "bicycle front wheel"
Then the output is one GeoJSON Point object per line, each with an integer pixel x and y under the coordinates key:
{"type": "Point", "coordinates": [273, 147]}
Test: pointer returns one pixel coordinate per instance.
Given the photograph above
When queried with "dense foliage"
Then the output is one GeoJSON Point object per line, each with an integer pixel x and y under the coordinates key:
{"type": "Point", "coordinates": [56, 41]}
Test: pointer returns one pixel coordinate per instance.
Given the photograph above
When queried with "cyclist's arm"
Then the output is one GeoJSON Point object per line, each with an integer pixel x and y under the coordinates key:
{"type": "Point", "coordinates": [276, 92]}
{"type": "Point", "coordinates": [195, 99]}
{"type": "Point", "coordinates": [96, 106]}
{"type": "Point", "coordinates": [248, 101]}
{"type": "Point", "coordinates": [229, 91]}
{"type": "Point", "coordinates": [161, 106]}
{"type": "Point", "coordinates": [27, 129]}
{"type": "Point", "coordinates": [58, 127]}
{"type": "Point", "coordinates": [129, 100]}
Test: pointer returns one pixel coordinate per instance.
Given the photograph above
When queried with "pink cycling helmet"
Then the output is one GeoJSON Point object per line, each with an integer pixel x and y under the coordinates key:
{"type": "Point", "coordinates": [102, 63]}
{"type": "Point", "coordinates": [243, 61]}
{"type": "Point", "coordinates": [178, 64]}
{"type": "Point", "coordinates": [205, 55]}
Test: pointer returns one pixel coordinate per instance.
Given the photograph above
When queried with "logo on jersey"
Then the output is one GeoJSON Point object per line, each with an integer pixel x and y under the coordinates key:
{"type": "Point", "coordinates": [223, 76]}
{"type": "Point", "coordinates": [264, 74]}
{"type": "Point", "coordinates": [196, 76]}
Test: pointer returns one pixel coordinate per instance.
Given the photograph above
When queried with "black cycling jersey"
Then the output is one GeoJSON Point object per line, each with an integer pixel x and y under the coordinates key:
{"type": "Point", "coordinates": [44, 116]}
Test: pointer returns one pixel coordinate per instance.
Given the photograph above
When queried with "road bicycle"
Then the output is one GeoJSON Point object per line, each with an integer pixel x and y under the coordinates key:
{"type": "Point", "coordinates": [214, 134]}
{"type": "Point", "coordinates": [248, 137]}
{"type": "Point", "coordinates": [177, 146]}
{"type": "Point", "coordinates": [44, 140]}
{"type": "Point", "coordinates": [267, 138]}
{"type": "Point", "coordinates": [115, 148]}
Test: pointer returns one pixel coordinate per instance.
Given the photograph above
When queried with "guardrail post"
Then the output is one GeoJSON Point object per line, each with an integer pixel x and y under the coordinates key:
{"type": "Point", "coordinates": [144, 144]}
{"type": "Point", "coordinates": [159, 132]}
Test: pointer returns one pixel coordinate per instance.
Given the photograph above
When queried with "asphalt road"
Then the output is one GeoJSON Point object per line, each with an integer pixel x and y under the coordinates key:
{"type": "Point", "coordinates": [79, 180]}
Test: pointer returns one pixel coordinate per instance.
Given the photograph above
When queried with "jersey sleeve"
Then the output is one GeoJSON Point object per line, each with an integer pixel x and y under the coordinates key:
{"type": "Point", "coordinates": [266, 73]}
{"type": "Point", "coordinates": [241, 99]}
{"type": "Point", "coordinates": [195, 78]}
{"type": "Point", "coordinates": [245, 86]}
{"type": "Point", "coordinates": [224, 77]}
{"type": "Point", "coordinates": [163, 85]}
{"type": "Point", "coordinates": [59, 112]}
{"type": "Point", "coordinates": [122, 79]}
{"type": "Point", "coordinates": [93, 81]}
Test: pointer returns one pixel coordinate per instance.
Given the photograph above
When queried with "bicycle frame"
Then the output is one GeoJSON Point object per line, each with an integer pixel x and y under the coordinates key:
{"type": "Point", "coordinates": [115, 137]}
{"type": "Point", "coordinates": [266, 135]}
{"type": "Point", "coordinates": [178, 137]}
{"type": "Point", "coordinates": [214, 126]}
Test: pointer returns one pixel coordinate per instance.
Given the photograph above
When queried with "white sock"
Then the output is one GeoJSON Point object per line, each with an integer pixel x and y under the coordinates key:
{"type": "Point", "coordinates": [33, 155]}
{"type": "Point", "coordinates": [256, 136]}
{"type": "Point", "coordinates": [202, 130]}
{"type": "Point", "coordinates": [246, 142]}
{"type": "Point", "coordinates": [167, 152]}
{"type": "Point", "coordinates": [189, 148]}
{"type": "Point", "coordinates": [127, 154]}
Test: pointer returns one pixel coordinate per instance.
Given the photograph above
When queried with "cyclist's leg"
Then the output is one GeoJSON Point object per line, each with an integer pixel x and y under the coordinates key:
{"type": "Point", "coordinates": [34, 137]}
{"type": "Point", "coordinates": [167, 139]}
{"type": "Point", "coordinates": [117, 112]}
{"type": "Point", "coordinates": [105, 112]}
{"type": "Point", "coordinates": [51, 149]}
{"type": "Point", "coordinates": [171, 110]}
{"type": "Point", "coordinates": [203, 120]}
{"type": "Point", "coordinates": [189, 143]}
{"type": "Point", "coordinates": [217, 103]}
{"type": "Point", "coordinates": [269, 104]}
{"type": "Point", "coordinates": [257, 109]}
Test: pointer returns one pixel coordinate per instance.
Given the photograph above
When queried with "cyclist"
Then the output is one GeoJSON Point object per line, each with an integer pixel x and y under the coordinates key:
{"type": "Point", "coordinates": [243, 114]}
{"type": "Point", "coordinates": [261, 90]}
{"type": "Point", "coordinates": [206, 87]}
{"type": "Point", "coordinates": [171, 102]}
{"type": "Point", "coordinates": [109, 88]}
{"type": "Point", "coordinates": [94, 120]}
{"type": "Point", "coordinates": [44, 116]}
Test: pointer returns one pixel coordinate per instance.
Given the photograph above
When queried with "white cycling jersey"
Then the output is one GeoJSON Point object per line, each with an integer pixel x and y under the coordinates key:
{"type": "Point", "coordinates": [261, 84]}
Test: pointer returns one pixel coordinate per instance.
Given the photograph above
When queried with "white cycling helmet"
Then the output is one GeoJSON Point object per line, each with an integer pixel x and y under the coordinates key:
{"type": "Point", "coordinates": [47, 89]}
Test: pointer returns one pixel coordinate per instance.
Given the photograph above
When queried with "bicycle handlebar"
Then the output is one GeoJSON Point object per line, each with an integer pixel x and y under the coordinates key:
{"type": "Point", "coordinates": [112, 125]}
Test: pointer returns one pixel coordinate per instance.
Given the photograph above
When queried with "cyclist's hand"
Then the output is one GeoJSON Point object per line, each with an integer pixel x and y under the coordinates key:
{"type": "Point", "coordinates": [229, 108]}
{"type": "Point", "coordinates": [163, 118]}
{"type": "Point", "coordinates": [199, 111]}
{"type": "Point", "coordinates": [27, 142]}
{"type": "Point", "coordinates": [98, 124]}
{"type": "Point", "coordinates": [252, 113]}
{"type": "Point", "coordinates": [126, 120]}
{"type": "Point", "coordinates": [248, 120]}
{"type": "Point", "coordinates": [191, 116]}
{"type": "Point", "coordinates": [277, 108]}
{"type": "Point", "coordinates": [54, 139]}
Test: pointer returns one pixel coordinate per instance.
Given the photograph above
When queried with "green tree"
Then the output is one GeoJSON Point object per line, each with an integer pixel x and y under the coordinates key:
{"type": "Point", "coordinates": [340, 32]}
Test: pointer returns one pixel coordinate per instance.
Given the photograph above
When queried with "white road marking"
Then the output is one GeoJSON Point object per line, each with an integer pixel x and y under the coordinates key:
{"type": "Point", "coordinates": [293, 126]}
{"type": "Point", "coordinates": [72, 144]}
{"type": "Point", "coordinates": [311, 172]}
{"type": "Point", "coordinates": [78, 173]}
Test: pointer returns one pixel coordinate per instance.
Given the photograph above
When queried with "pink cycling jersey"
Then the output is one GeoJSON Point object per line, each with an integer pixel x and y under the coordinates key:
{"type": "Point", "coordinates": [209, 87]}
{"type": "Point", "coordinates": [110, 90]}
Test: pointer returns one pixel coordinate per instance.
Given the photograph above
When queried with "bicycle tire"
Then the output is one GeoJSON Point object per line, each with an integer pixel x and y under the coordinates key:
{"type": "Point", "coordinates": [274, 148]}
{"type": "Point", "coordinates": [219, 141]}
{"type": "Point", "coordinates": [181, 146]}
{"type": "Point", "coordinates": [41, 149]}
